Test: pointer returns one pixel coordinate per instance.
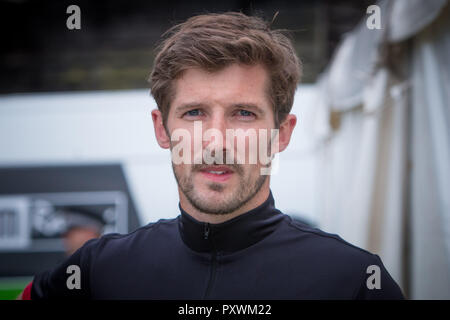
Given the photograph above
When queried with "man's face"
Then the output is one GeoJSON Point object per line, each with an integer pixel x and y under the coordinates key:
{"type": "Point", "coordinates": [232, 98]}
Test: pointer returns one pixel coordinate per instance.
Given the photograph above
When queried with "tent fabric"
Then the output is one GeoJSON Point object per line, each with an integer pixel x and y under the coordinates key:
{"type": "Point", "coordinates": [359, 55]}
{"type": "Point", "coordinates": [408, 17]}
{"type": "Point", "coordinates": [430, 176]}
{"type": "Point", "coordinates": [384, 164]}
{"type": "Point", "coordinates": [363, 175]}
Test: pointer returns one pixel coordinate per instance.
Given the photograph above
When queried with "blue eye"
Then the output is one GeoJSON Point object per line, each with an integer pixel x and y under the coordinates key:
{"type": "Point", "coordinates": [245, 113]}
{"type": "Point", "coordinates": [193, 113]}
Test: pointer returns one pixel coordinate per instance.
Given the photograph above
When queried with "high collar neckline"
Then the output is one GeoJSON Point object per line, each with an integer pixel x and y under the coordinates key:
{"type": "Point", "coordinates": [232, 235]}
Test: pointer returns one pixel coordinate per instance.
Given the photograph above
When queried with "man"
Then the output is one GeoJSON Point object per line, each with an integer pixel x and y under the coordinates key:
{"type": "Point", "coordinates": [225, 76]}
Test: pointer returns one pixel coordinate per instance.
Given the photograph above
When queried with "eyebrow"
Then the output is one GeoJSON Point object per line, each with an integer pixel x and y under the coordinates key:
{"type": "Point", "coordinates": [187, 106]}
{"type": "Point", "coordinates": [250, 106]}
{"type": "Point", "coordinates": [196, 105]}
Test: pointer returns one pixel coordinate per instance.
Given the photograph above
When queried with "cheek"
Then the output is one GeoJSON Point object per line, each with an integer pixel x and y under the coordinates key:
{"type": "Point", "coordinates": [182, 168]}
{"type": "Point", "coordinates": [249, 172]}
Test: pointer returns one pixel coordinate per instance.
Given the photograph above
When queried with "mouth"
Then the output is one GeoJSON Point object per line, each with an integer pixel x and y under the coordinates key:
{"type": "Point", "coordinates": [217, 173]}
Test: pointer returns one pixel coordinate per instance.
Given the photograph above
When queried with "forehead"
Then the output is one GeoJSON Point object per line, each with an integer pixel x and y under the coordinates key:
{"type": "Point", "coordinates": [233, 84]}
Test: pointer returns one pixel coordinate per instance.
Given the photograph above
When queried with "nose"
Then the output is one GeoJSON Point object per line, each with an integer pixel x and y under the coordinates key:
{"type": "Point", "coordinates": [215, 131]}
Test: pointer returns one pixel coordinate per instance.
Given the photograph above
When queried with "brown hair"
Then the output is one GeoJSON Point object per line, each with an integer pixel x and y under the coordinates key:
{"type": "Point", "coordinates": [214, 41]}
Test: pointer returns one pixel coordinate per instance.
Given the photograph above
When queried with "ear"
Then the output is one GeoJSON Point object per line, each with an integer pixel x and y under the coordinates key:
{"type": "Point", "coordinates": [286, 129]}
{"type": "Point", "coordinates": [160, 132]}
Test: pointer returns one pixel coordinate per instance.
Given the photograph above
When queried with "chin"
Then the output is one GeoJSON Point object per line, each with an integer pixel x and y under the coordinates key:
{"type": "Point", "coordinates": [214, 195]}
{"type": "Point", "coordinates": [213, 191]}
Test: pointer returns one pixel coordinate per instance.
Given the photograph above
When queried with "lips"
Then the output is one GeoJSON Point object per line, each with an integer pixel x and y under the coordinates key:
{"type": "Point", "coordinates": [217, 173]}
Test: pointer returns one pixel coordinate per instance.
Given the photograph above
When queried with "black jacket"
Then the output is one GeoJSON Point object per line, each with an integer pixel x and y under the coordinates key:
{"type": "Point", "coordinates": [262, 254]}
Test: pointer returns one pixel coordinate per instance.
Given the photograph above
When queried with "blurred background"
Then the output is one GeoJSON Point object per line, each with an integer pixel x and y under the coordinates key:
{"type": "Point", "coordinates": [369, 159]}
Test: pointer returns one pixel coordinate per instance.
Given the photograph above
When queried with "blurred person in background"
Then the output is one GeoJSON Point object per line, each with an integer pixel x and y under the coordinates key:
{"type": "Point", "coordinates": [81, 227]}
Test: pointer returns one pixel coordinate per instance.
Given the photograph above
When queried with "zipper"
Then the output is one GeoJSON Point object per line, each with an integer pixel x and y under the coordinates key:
{"type": "Point", "coordinates": [206, 231]}
{"type": "Point", "coordinates": [212, 275]}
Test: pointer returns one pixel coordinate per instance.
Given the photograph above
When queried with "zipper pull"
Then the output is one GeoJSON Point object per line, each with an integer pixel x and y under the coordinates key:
{"type": "Point", "coordinates": [206, 231]}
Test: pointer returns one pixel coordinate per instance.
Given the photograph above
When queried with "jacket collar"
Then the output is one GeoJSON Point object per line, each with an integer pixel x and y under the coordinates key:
{"type": "Point", "coordinates": [232, 235]}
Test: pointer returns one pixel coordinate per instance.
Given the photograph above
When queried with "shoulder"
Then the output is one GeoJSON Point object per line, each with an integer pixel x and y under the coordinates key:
{"type": "Point", "coordinates": [148, 229]}
{"type": "Point", "coordinates": [326, 253]}
{"type": "Point", "coordinates": [99, 260]}
{"type": "Point", "coordinates": [334, 258]}
{"type": "Point", "coordinates": [323, 242]}
{"type": "Point", "coordinates": [163, 228]}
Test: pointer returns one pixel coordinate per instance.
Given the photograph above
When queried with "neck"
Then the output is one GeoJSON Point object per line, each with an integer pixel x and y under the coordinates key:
{"type": "Point", "coordinates": [254, 202]}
